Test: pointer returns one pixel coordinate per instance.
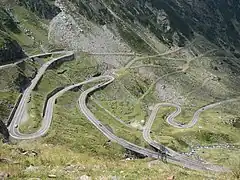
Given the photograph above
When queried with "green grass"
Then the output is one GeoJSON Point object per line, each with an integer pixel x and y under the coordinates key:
{"type": "Point", "coordinates": [7, 101]}
{"type": "Point", "coordinates": [208, 130]}
{"type": "Point", "coordinates": [75, 131]}
{"type": "Point", "coordinates": [51, 80]}
{"type": "Point", "coordinates": [121, 96]}
{"type": "Point", "coordinates": [29, 21]}
{"type": "Point", "coordinates": [54, 159]}
{"type": "Point", "coordinates": [12, 79]}
{"type": "Point", "coordinates": [73, 139]}
{"type": "Point", "coordinates": [38, 97]}
{"type": "Point", "coordinates": [230, 158]}
{"type": "Point", "coordinates": [119, 129]}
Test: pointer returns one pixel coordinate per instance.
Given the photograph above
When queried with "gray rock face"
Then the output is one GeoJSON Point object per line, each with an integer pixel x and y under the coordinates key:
{"type": "Point", "coordinates": [65, 31]}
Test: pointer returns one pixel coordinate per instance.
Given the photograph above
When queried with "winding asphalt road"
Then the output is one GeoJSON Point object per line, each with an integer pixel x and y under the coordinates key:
{"type": "Point", "coordinates": [22, 107]}
{"type": "Point", "coordinates": [47, 119]}
{"type": "Point", "coordinates": [166, 150]}
{"type": "Point", "coordinates": [170, 118]}
{"type": "Point", "coordinates": [173, 156]}
{"type": "Point", "coordinates": [170, 121]}
{"type": "Point", "coordinates": [31, 57]}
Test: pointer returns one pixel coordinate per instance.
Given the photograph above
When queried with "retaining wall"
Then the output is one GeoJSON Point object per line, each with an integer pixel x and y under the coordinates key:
{"type": "Point", "coordinates": [56, 90]}
{"type": "Point", "coordinates": [14, 110]}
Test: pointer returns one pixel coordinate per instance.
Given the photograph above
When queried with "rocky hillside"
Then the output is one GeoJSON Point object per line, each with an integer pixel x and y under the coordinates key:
{"type": "Point", "coordinates": [153, 27]}
{"type": "Point", "coordinates": [147, 27]}
{"type": "Point", "coordinates": [16, 31]}
{"type": "Point", "coordinates": [43, 8]}
{"type": "Point", "coordinates": [144, 25]}
{"type": "Point", "coordinates": [10, 50]}
{"type": "Point", "coordinates": [172, 20]}
{"type": "Point", "coordinates": [200, 42]}
{"type": "Point", "coordinates": [218, 20]}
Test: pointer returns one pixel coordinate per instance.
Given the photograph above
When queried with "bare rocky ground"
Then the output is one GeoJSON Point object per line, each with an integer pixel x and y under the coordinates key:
{"type": "Point", "coordinates": [82, 35]}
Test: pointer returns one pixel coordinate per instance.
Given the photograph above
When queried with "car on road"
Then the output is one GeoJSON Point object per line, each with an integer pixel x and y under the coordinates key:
{"type": "Point", "coordinates": [16, 125]}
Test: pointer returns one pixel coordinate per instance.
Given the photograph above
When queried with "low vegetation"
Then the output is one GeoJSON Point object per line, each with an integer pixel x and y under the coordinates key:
{"type": "Point", "coordinates": [74, 147]}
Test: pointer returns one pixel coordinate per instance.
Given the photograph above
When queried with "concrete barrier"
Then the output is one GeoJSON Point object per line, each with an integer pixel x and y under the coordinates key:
{"type": "Point", "coordinates": [69, 57]}
{"type": "Point", "coordinates": [10, 117]}
{"type": "Point", "coordinates": [44, 55]}
{"type": "Point", "coordinates": [41, 56]}
{"type": "Point", "coordinates": [56, 90]}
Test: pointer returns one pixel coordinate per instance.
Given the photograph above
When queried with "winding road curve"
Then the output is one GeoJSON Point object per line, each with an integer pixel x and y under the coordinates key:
{"type": "Point", "coordinates": [170, 118]}
{"type": "Point", "coordinates": [31, 57]}
{"type": "Point", "coordinates": [22, 107]}
{"type": "Point", "coordinates": [173, 156]}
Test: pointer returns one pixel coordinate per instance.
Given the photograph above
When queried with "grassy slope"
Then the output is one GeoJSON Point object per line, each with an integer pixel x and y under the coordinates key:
{"type": "Point", "coordinates": [72, 139]}
{"type": "Point", "coordinates": [120, 98]}
{"type": "Point", "coordinates": [30, 21]}
{"type": "Point", "coordinates": [13, 76]}
{"type": "Point", "coordinates": [18, 31]}
{"type": "Point", "coordinates": [12, 79]}
{"type": "Point", "coordinates": [75, 72]}
{"type": "Point", "coordinates": [54, 159]}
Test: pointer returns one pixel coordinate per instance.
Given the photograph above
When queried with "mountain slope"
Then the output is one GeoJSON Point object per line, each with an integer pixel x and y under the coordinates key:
{"type": "Point", "coordinates": [9, 48]}
{"type": "Point", "coordinates": [181, 52]}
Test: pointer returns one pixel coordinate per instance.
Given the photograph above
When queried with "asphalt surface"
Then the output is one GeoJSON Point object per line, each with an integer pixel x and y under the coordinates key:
{"type": "Point", "coordinates": [170, 118]}
{"type": "Point", "coordinates": [22, 107]}
{"type": "Point", "coordinates": [30, 57]}
{"type": "Point", "coordinates": [172, 156]}
{"type": "Point", "coordinates": [181, 157]}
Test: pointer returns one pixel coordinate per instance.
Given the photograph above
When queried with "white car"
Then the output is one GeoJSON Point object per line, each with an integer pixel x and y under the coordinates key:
{"type": "Point", "coordinates": [16, 125]}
